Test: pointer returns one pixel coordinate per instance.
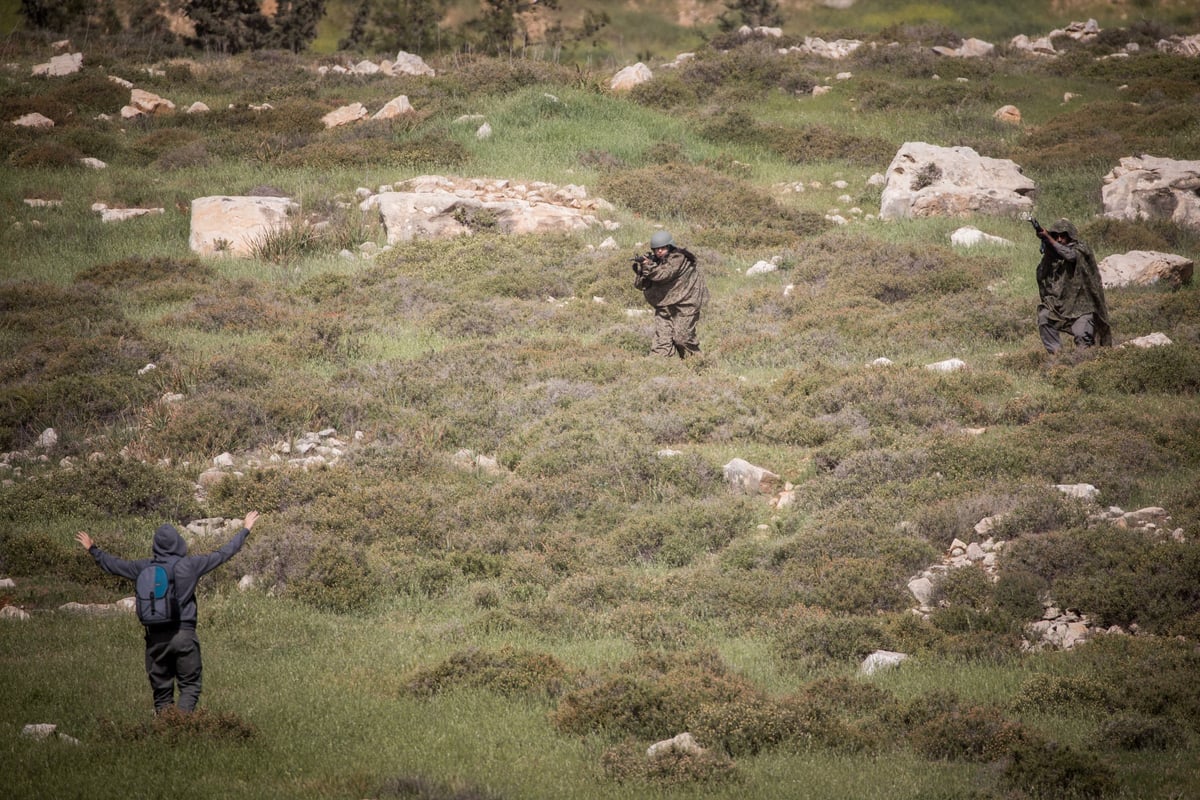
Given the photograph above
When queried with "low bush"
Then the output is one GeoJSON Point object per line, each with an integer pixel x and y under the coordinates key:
{"type": "Point", "coordinates": [971, 733]}
{"type": "Point", "coordinates": [179, 728]}
{"type": "Point", "coordinates": [1050, 770]}
{"type": "Point", "coordinates": [507, 671]}
{"type": "Point", "coordinates": [110, 487]}
{"type": "Point", "coordinates": [1135, 732]}
{"type": "Point", "coordinates": [704, 197]}
{"type": "Point", "coordinates": [337, 579]}
{"type": "Point", "coordinates": [419, 788]}
{"type": "Point", "coordinates": [1063, 694]}
{"type": "Point", "coordinates": [833, 639]}
{"type": "Point", "coordinates": [627, 763]}
{"type": "Point", "coordinates": [650, 695]}
{"type": "Point", "coordinates": [50, 155]}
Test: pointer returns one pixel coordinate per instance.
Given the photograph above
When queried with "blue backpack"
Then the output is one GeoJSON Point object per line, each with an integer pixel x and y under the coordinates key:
{"type": "Point", "coordinates": [154, 593]}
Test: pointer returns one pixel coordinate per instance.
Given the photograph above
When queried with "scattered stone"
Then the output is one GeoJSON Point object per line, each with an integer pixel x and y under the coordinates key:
{"type": "Point", "coordinates": [881, 660]}
{"type": "Point", "coordinates": [970, 48]}
{"type": "Point", "coordinates": [409, 64]}
{"type": "Point", "coordinates": [1155, 339]}
{"type": "Point", "coordinates": [484, 132]}
{"type": "Point", "coordinates": [949, 365]}
{"type": "Point", "coordinates": [47, 439]}
{"type": "Point", "coordinates": [122, 214]}
{"type": "Point", "coordinates": [345, 115]}
{"type": "Point", "coordinates": [149, 103]}
{"type": "Point", "coordinates": [46, 730]}
{"type": "Point", "coordinates": [33, 120]}
{"type": "Point", "coordinates": [93, 163]}
{"type": "Point", "coordinates": [1009, 115]}
{"type": "Point", "coordinates": [969, 236]}
{"type": "Point", "coordinates": [396, 107]}
{"type": "Point", "coordinates": [197, 108]}
{"type": "Point", "coordinates": [683, 743]}
{"type": "Point", "coordinates": [1145, 268]}
{"type": "Point", "coordinates": [14, 613]}
{"type": "Point", "coordinates": [1081, 491]}
{"type": "Point", "coordinates": [747, 478]}
{"type": "Point", "coordinates": [762, 268]}
{"type": "Point", "coordinates": [58, 66]}
{"type": "Point", "coordinates": [629, 77]}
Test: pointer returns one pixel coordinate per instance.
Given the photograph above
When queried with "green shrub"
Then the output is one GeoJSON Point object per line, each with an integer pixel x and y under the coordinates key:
{"type": "Point", "coordinates": [707, 198]}
{"type": "Point", "coordinates": [337, 579]}
{"type": "Point", "coordinates": [1137, 732]}
{"type": "Point", "coordinates": [757, 724]}
{"type": "Point", "coordinates": [1050, 770]}
{"type": "Point", "coordinates": [972, 733]}
{"type": "Point", "coordinates": [110, 487]}
{"type": "Point", "coordinates": [666, 91]}
{"type": "Point", "coordinates": [1063, 694]}
{"type": "Point", "coordinates": [1174, 369]}
{"type": "Point", "coordinates": [838, 639]}
{"type": "Point", "coordinates": [646, 697]}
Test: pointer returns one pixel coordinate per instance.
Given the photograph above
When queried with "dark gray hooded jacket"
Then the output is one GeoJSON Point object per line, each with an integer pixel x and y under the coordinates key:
{"type": "Point", "coordinates": [188, 569]}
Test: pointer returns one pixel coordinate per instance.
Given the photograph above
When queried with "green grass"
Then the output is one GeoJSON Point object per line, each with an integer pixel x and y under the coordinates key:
{"type": "Point", "coordinates": [590, 552]}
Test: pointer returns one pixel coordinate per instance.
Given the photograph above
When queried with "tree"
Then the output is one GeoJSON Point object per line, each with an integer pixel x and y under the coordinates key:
{"type": "Point", "coordinates": [295, 23]}
{"type": "Point", "coordinates": [227, 26]}
{"type": "Point", "coordinates": [754, 13]}
{"type": "Point", "coordinates": [358, 27]}
{"type": "Point", "coordinates": [408, 25]}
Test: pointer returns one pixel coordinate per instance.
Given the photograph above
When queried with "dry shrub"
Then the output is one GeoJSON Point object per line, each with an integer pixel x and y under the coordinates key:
{"type": "Point", "coordinates": [181, 727]}
{"type": "Point", "coordinates": [192, 154]}
{"type": "Point", "coordinates": [240, 307]}
{"type": "Point", "coordinates": [418, 788]}
{"type": "Point", "coordinates": [45, 154]}
{"type": "Point", "coordinates": [506, 671]}
{"type": "Point", "coordinates": [478, 74]}
{"type": "Point", "coordinates": [89, 92]}
{"type": "Point", "coordinates": [138, 271]}
{"type": "Point", "coordinates": [427, 150]}
{"type": "Point", "coordinates": [628, 763]}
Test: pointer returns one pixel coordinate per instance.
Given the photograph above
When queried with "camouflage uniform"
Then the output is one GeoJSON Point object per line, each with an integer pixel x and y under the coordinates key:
{"type": "Point", "coordinates": [1072, 296]}
{"type": "Point", "coordinates": [675, 287]}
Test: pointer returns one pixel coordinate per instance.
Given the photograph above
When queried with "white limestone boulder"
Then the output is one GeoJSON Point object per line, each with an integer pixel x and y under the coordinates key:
{"type": "Point", "coordinates": [926, 180]}
{"type": "Point", "coordinates": [1152, 188]}
{"type": "Point", "coordinates": [232, 225]}
{"type": "Point", "coordinates": [1146, 268]}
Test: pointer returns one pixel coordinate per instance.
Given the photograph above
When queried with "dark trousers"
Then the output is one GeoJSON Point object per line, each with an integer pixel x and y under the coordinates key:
{"type": "Point", "coordinates": [173, 656]}
{"type": "Point", "coordinates": [1082, 328]}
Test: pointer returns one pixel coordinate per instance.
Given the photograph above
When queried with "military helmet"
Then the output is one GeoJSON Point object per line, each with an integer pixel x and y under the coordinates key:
{"type": "Point", "coordinates": [661, 239]}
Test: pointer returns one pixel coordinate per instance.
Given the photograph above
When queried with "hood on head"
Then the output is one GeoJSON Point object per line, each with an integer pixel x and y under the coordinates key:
{"type": "Point", "coordinates": [1063, 225]}
{"type": "Point", "coordinates": [168, 542]}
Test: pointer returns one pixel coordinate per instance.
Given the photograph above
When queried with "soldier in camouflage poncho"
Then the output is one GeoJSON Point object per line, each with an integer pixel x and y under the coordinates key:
{"type": "Point", "coordinates": [671, 283]}
{"type": "Point", "coordinates": [1072, 296]}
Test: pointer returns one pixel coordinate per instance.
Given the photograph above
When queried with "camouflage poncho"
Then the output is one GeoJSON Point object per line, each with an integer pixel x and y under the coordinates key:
{"type": "Point", "coordinates": [1069, 282]}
